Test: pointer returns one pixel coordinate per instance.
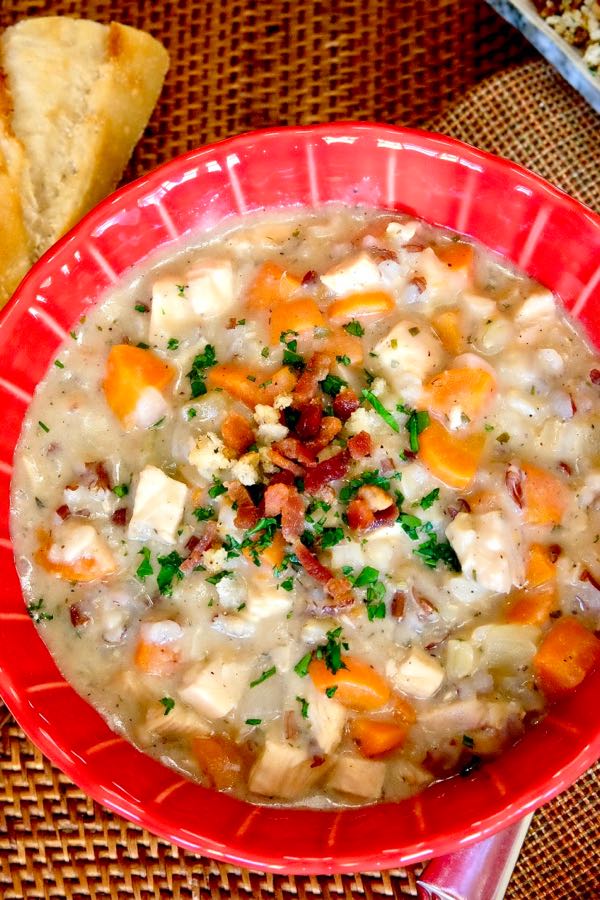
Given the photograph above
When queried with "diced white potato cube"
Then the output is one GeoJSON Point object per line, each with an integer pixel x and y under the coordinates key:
{"type": "Point", "coordinates": [478, 306]}
{"type": "Point", "coordinates": [207, 455]}
{"type": "Point", "coordinates": [74, 541]}
{"type": "Point", "coordinates": [171, 314]}
{"type": "Point", "coordinates": [402, 232]}
{"type": "Point", "coordinates": [347, 553]}
{"type": "Point", "coordinates": [443, 282]}
{"type": "Point", "coordinates": [353, 274]}
{"type": "Point", "coordinates": [379, 547]}
{"type": "Point", "coordinates": [215, 687]}
{"type": "Point", "coordinates": [488, 549]}
{"type": "Point", "coordinates": [234, 626]}
{"type": "Point", "coordinates": [461, 659]}
{"type": "Point", "coordinates": [284, 656]}
{"type": "Point", "coordinates": [357, 777]}
{"type": "Point", "coordinates": [538, 308]}
{"type": "Point", "coordinates": [506, 646]}
{"type": "Point", "coordinates": [404, 778]}
{"type": "Point", "coordinates": [416, 481]}
{"type": "Point", "coordinates": [209, 287]}
{"type": "Point", "coordinates": [418, 675]}
{"type": "Point", "coordinates": [232, 592]}
{"type": "Point", "coordinates": [406, 355]}
{"type": "Point", "coordinates": [314, 631]}
{"type": "Point", "coordinates": [282, 771]}
{"type": "Point", "coordinates": [158, 507]}
{"type": "Point", "coordinates": [245, 469]}
{"type": "Point", "coordinates": [180, 722]}
{"type": "Point", "coordinates": [150, 408]}
{"type": "Point", "coordinates": [447, 719]}
{"type": "Point", "coordinates": [326, 718]}
{"type": "Point", "coordinates": [164, 631]}
{"type": "Point", "coordinates": [551, 361]}
{"type": "Point", "coordinates": [589, 492]}
{"type": "Point", "coordinates": [266, 599]}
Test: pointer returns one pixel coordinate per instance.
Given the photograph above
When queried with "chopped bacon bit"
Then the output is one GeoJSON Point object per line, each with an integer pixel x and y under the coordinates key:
{"type": "Point", "coordinates": [98, 477]}
{"type": "Point", "coordinates": [290, 725]}
{"type": "Point", "coordinates": [360, 445]}
{"type": "Point", "coordinates": [385, 516]}
{"type": "Point", "coordinates": [311, 564]}
{"type": "Point", "coordinates": [309, 423]}
{"type": "Point", "coordinates": [398, 604]}
{"type": "Point", "coordinates": [425, 608]}
{"type": "Point", "coordinates": [586, 575]}
{"type": "Point", "coordinates": [554, 551]}
{"type": "Point", "coordinates": [329, 470]}
{"type": "Point", "coordinates": [293, 448]}
{"type": "Point", "coordinates": [284, 499]}
{"type": "Point", "coordinates": [514, 483]}
{"type": "Point", "coordinates": [192, 543]}
{"type": "Point", "coordinates": [414, 248]}
{"type": "Point", "coordinates": [565, 467]}
{"type": "Point", "coordinates": [381, 253]}
{"type": "Point", "coordinates": [284, 463]}
{"type": "Point", "coordinates": [310, 277]}
{"type": "Point", "coordinates": [231, 323]}
{"type": "Point", "coordinates": [375, 497]}
{"type": "Point", "coordinates": [461, 506]}
{"type": "Point", "coordinates": [78, 618]}
{"type": "Point", "coordinates": [317, 761]}
{"type": "Point", "coordinates": [63, 512]}
{"type": "Point", "coordinates": [283, 477]}
{"type": "Point", "coordinates": [308, 383]}
{"type": "Point", "coordinates": [340, 591]}
{"type": "Point", "coordinates": [595, 376]}
{"type": "Point", "coordinates": [386, 466]}
{"type": "Point", "coordinates": [119, 517]}
{"type": "Point", "coordinates": [419, 283]}
{"type": "Point", "coordinates": [345, 403]}
{"type": "Point", "coordinates": [205, 540]}
{"type": "Point", "coordinates": [573, 404]}
{"type": "Point", "coordinates": [247, 513]}
{"type": "Point", "coordinates": [330, 428]}
{"type": "Point", "coordinates": [360, 515]}
{"type": "Point", "coordinates": [237, 433]}
{"type": "Point", "coordinates": [409, 454]}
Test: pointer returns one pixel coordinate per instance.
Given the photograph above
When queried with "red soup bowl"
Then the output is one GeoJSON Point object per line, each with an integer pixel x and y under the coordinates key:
{"type": "Point", "coordinates": [553, 238]}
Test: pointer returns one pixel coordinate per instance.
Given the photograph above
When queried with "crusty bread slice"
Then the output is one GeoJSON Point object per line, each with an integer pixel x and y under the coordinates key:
{"type": "Point", "coordinates": [80, 95]}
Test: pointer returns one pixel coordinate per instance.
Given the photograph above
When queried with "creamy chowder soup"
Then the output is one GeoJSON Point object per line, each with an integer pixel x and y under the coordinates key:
{"type": "Point", "coordinates": [310, 509]}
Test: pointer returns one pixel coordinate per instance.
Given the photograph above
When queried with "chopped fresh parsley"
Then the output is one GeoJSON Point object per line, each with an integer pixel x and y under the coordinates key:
{"type": "Point", "coordinates": [169, 571]}
{"type": "Point", "coordinates": [332, 385]}
{"type": "Point", "coordinates": [301, 667]}
{"type": "Point", "coordinates": [121, 490]}
{"type": "Point", "coordinates": [503, 438]}
{"type": "Point", "coordinates": [330, 691]}
{"type": "Point", "coordinates": [330, 537]}
{"type": "Point", "coordinates": [468, 741]}
{"type": "Point", "coordinates": [141, 345]}
{"type": "Point", "coordinates": [219, 576]}
{"type": "Point", "coordinates": [191, 413]}
{"type": "Point", "coordinates": [488, 427]}
{"type": "Point", "coordinates": [145, 567]}
{"type": "Point", "coordinates": [416, 423]}
{"type": "Point", "coordinates": [414, 331]}
{"type": "Point", "coordinates": [197, 373]}
{"type": "Point", "coordinates": [288, 584]}
{"type": "Point", "coordinates": [375, 601]}
{"type": "Point", "coordinates": [344, 360]}
{"type": "Point", "coordinates": [291, 357]}
{"type": "Point", "coordinates": [265, 352]}
{"type": "Point", "coordinates": [168, 704]}
{"type": "Point", "coordinates": [58, 364]}
{"type": "Point", "coordinates": [371, 476]}
{"type": "Point", "coordinates": [354, 328]}
{"type": "Point", "coordinates": [432, 551]}
{"type": "Point", "coordinates": [268, 673]}
{"type": "Point", "coordinates": [331, 652]}
{"type": "Point", "coordinates": [253, 721]}
{"type": "Point", "coordinates": [303, 707]}
{"type": "Point", "coordinates": [216, 489]}
{"type": "Point", "coordinates": [181, 289]}
{"type": "Point", "coordinates": [44, 427]}
{"type": "Point", "coordinates": [410, 524]}
{"type": "Point", "coordinates": [381, 410]}
{"type": "Point", "coordinates": [141, 308]}
{"type": "Point", "coordinates": [172, 344]}
{"type": "Point", "coordinates": [241, 322]}
{"type": "Point", "coordinates": [429, 499]}
{"type": "Point", "coordinates": [265, 531]}
{"type": "Point", "coordinates": [203, 513]}
{"type": "Point", "coordinates": [368, 575]}
{"type": "Point", "coordinates": [37, 611]}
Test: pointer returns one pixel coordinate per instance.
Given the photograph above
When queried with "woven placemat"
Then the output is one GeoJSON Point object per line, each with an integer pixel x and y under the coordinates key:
{"type": "Point", "coordinates": [238, 65]}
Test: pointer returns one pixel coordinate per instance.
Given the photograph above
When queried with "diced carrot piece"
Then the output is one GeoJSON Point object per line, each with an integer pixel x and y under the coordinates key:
{"type": "Point", "coordinates": [403, 710]}
{"type": "Point", "coordinates": [271, 286]}
{"type": "Point", "coordinates": [483, 501]}
{"type": "Point", "coordinates": [540, 567]}
{"type": "Point", "coordinates": [283, 381]}
{"type": "Point", "coordinates": [366, 306]}
{"type": "Point", "coordinates": [156, 659]}
{"type": "Point", "coordinates": [84, 569]}
{"type": "Point", "coordinates": [340, 343]}
{"type": "Point", "coordinates": [545, 497]}
{"type": "Point", "coordinates": [533, 607]}
{"type": "Point", "coordinates": [447, 325]}
{"type": "Point", "coordinates": [452, 458]}
{"type": "Point", "coordinates": [239, 381]}
{"type": "Point", "coordinates": [129, 370]}
{"type": "Point", "coordinates": [221, 760]}
{"type": "Point", "coordinates": [237, 432]}
{"type": "Point", "coordinates": [377, 736]}
{"type": "Point", "coordinates": [567, 654]}
{"type": "Point", "coordinates": [299, 315]}
{"type": "Point", "coordinates": [358, 685]}
{"type": "Point", "coordinates": [271, 555]}
{"type": "Point", "coordinates": [468, 388]}
{"type": "Point", "coordinates": [456, 255]}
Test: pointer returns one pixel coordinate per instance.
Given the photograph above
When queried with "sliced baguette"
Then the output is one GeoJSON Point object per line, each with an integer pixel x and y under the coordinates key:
{"type": "Point", "coordinates": [78, 96]}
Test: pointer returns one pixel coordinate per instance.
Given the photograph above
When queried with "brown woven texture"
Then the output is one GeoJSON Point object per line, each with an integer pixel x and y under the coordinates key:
{"type": "Point", "coordinates": [452, 65]}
